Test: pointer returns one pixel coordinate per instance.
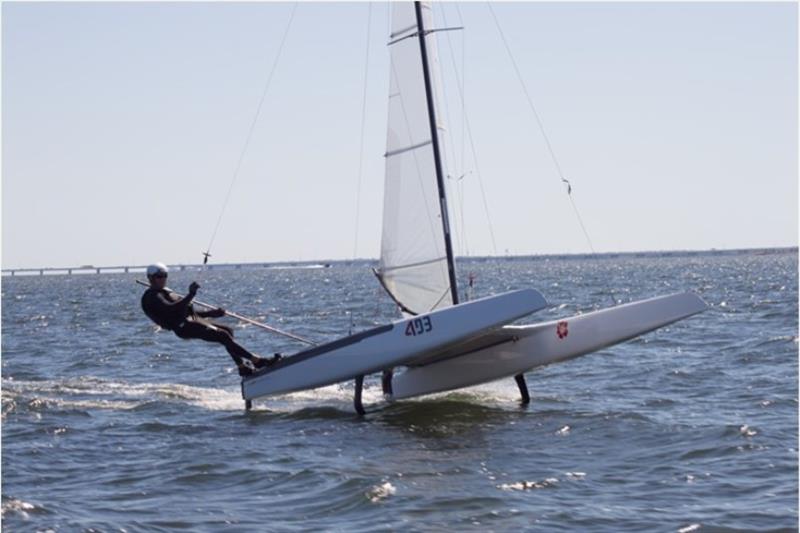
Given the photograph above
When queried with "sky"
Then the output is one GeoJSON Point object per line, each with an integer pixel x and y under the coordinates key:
{"type": "Point", "coordinates": [123, 125]}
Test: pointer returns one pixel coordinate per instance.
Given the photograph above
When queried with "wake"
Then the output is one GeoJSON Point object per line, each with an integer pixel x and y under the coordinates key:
{"type": "Point", "coordinates": [88, 393]}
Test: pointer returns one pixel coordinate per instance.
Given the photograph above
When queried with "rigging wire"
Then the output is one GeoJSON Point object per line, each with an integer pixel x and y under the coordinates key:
{"type": "Point", "coordinates": [249, 136]}
{"type": "Point", "coordinates": [363, 121]}
{"type": "Point", "coordinates": [442, 128]}
{"type": "Point", "coordinates": [463, 129]}
{"type": "Point", "coordinates": [351, 313]}
{"type": "Point", "coordinates": [465, 117]}
{"type": "Point", "coordinates": [547, 142]}
{"type": "Point", "coordinates": [456, 179]}
{"type": "Point", "coordinates": [541, 128]}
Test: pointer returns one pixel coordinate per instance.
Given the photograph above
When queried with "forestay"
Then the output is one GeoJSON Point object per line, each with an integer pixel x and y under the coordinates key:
{"type": "Point", "coordinates": [413, 266]}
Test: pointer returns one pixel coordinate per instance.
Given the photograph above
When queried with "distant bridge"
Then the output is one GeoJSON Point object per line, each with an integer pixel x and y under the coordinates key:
{"type": "Point", "coordinates": [84, 269]}
{"type": "Point", "coordinates": [124, 269]}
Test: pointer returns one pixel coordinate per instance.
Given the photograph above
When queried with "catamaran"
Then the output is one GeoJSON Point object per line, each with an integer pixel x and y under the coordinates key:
{"type": "Point", "coordinates": [441, 343]}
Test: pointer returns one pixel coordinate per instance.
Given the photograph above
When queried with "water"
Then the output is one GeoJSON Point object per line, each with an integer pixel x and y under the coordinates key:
{"type": "Point", "coordinates": [109, 425]}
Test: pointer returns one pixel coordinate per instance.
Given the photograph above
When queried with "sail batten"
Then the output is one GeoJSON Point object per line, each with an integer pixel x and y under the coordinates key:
{"type": "Point", "coordinates": [414, 266]}
{"type": "Point", "coordinates": [411, 28]}
{"type": "Point", "coordinates": [408, 148]}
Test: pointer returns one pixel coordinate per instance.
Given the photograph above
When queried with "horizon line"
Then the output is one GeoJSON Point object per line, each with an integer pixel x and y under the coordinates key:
{"type": "Point", "coordinates": [327, 261]}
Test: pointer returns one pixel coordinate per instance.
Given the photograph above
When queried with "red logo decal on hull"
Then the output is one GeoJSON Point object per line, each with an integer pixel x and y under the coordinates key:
{"type": "Point", "coordinates": [561, 329]}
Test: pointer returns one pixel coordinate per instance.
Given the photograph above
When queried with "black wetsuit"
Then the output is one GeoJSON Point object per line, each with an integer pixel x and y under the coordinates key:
{"type": "Point", "coordinates": [177, 315]}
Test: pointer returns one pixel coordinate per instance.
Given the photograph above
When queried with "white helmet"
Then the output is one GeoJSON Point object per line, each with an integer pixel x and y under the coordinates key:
{"type": "Point", "coordinates": [156, 268]}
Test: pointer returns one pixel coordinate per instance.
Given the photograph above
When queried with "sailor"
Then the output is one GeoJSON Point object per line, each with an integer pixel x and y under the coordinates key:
{"type": "Point", "coordinates": [176, 314]}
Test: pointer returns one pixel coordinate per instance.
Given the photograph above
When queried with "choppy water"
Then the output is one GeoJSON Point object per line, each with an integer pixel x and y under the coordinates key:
{"type": "Point", "coordinates": [109, 425]}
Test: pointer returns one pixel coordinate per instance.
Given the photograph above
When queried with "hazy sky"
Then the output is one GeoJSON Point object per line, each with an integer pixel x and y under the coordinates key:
{"type": "Point", "coordinates": [122, 125]}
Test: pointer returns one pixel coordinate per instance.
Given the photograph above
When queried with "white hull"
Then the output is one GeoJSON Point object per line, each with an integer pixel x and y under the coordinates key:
{"type": "Point", "coordinates": [516, 349]}
{"type": "Point", "coordinates": [401, 342]}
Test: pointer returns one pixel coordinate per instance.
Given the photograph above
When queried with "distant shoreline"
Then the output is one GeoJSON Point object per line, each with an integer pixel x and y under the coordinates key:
{"type": "Point", "coordinates": [327, 263]}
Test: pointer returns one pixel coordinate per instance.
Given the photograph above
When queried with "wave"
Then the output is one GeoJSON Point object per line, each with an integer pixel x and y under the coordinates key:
{"type": "Point", "coordinates": [19, 507]}
{"type": "Point", "coordinates": [87, 393]}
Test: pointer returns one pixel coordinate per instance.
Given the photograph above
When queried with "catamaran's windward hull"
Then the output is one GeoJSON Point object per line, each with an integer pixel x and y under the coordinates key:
{"type": "Point", "coordinates": [402, 342]}
{"type": "Point", "coordinates": [517, 349]}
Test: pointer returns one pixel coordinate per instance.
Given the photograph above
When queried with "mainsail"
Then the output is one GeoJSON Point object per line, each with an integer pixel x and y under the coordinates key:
{"type": "Point", "coordinates": [414, 266]}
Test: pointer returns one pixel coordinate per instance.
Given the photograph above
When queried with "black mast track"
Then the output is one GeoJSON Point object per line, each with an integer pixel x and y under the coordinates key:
{"type": "Point", "coordinates": [451, 268]}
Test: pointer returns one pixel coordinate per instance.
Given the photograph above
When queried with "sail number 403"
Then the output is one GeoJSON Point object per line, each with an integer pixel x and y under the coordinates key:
{"type": "Point", "coordinates": [419, 326]}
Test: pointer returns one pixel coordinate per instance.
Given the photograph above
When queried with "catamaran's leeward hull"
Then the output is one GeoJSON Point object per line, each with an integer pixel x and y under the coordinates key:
{"type": "Point", "coordinates": [391, 345]}
{"type": "Point", "coordinates": [517, 349]}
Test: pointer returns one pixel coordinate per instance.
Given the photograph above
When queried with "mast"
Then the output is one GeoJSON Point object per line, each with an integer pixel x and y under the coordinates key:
{"type": "Point", "coordinates": [451, 268]}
